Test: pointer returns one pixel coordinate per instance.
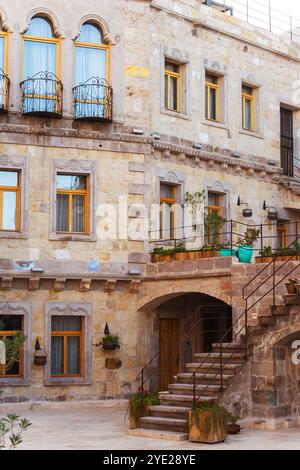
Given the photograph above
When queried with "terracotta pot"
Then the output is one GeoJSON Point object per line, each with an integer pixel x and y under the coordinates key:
{"type": "Point", "coordinates": [263, 259]}
{"type": "Point", "coordinates": [192, 255]}
{"type": "Point", "coordinates": [291, 288]}
{"type": "Point", "coordinates": [167, 258]}
{"type": "Point", "coordinates": [133, 422]}
{"type": "Point", "coordinates": [233, 428]}
{"type": "Point", "coordinates": [181, 256]}
{"type": "Point", "coordinates": [206, 254]}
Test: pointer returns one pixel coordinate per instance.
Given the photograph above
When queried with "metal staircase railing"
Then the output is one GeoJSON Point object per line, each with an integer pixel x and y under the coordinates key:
{"type": "Point", "coordinates": [243, 320]}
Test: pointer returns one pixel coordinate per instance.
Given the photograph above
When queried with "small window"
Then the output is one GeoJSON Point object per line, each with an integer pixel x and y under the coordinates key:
{"type": "Point", "coordinates": [9, 200]}
{"type": "Point", "coordinates": [9, 326]}
{"type": "Point", "coordinates": [281, 236]}
{"type": "Point", "coordinates": [213, 229]}
{"type": "Point", "coordinates": [167, 215]}
{"type": "Point", "coordinates": [172, 86]}
{"type": "Point", "coordinates": [248, 110]}
{"type": "Point", "coordinates": [66, 346]}
{"type": "Point", "coordinates": [72, 203]}
{"type": "Point", "coordinates": [212, 97]}
{"type": "Point", "coordinates": [40, 27]}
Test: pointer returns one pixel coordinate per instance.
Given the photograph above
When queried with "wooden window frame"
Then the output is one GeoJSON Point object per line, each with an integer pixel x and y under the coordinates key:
{"type": "Point", "coordinates": [163, 201]}
{"type": "Point", "coordinates": [65, 335]}
{"type": "Point", "coordinates": [21, 353]}
{"type": "Point", "coordinates": [281, 234]}
{"type": "Point", "coordinates": [208, 87]}
{"type": "Point", "coordinates": [215, 209]}
{"type": "Point", "coordinates": [251, 99]}
{"type": "Point", "coordinates": [53, 40]}
{"type": "Point", "coordinates": [17, 190]}
{"type": "Point", "coordinates": [76, 192]}
{"type": "Point", "coordinates": [178, 76]}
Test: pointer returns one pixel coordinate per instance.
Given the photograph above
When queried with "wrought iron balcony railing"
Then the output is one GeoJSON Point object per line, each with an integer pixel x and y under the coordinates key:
{"type": "Point", "coordinates": [41, 95]}
{"type": "Point", "coordinates": [4, 92]}
{"type": "Point", "coordinates": [93, 100]}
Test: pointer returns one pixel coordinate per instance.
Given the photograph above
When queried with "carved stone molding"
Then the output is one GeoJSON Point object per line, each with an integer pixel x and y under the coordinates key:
{"type": "Point", "coordinates": [6, 282]}
{"type": "Point", "coordinates": [49, 14]}
{"type": "Point", "coordinates": [75, 165]}
{"type": "Point", "coordinates": [110, 285]}
{"type": "Point", "coordinates": [98, 20]}
{"type": "Point", "coordinates": [135, 286]}
{"type": "Point", "coordinates": [85, 285]}
{"type": "Point", "coordinates": [12, 161]}
{"type": "Point", "coordinates": [59, 284]}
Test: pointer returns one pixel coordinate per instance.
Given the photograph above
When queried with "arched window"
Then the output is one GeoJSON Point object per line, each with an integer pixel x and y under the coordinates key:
{"type": "Point", "coordinates": [3, 71]}
{"type": "Point", "coordinates": [91, 74]}
{"type": "Point", "coordinates": [41, 67]}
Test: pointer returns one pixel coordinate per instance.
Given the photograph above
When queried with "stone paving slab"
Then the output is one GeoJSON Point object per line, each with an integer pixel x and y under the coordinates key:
{"type": "Point", "coordinates": [106, 429]}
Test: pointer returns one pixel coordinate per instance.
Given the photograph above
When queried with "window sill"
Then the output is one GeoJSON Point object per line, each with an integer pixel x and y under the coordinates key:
{"type": "Point", "coordinates": [12, 235]}
{"type": "Point", "coordinates": [14, 382]}
{"type": "Point", "coordinates": [220, 125]}
{"type": "Point", "coordinates": [176, 114]}
{"type": "Point", "coordinates": [67, 381]}
{"type": "Point", "coordinates": [72, 238]}
{"type": "Point", "coordinates": [258, 135]}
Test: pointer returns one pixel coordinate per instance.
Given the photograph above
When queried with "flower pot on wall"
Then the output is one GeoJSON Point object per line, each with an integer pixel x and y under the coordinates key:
{"type": "Point", "coordinates": [109, 346]}
{"type": "Point", "coordinates": [226, 252]}
{"type": "Point", "coordinates": [245, 253]}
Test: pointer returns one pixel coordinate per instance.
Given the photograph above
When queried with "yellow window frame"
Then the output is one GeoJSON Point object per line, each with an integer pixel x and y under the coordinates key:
{"type": "Point", "coordinates": [4, 34]}
{"type": "Point", "coordinates": [21, 353]}
{"type": "Point", "coordinates": [208, 87]}
{"type": "Point", "coordinates": [65, 335]}
{"type": "Point", "coordinates": [77, 192]}
{"type": "Point", "coordinates": [13, 189]}
{"type": "Point", "coordinates": [178, 76]}
{"type": "Point", "coordinates": [282, 235]}
{"type": "Point", "coordinates": [163, 202]}
{"type": "Point", "coordinates": [251, 99]}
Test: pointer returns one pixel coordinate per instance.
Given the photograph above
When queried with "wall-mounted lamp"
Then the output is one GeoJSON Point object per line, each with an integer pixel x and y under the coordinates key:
{"type": "Point", "coordinates": [40, 355]}
{"type": "Point", "coordinates": [246, 212]}
{"type": "Point", "coordinates": [272, 211]}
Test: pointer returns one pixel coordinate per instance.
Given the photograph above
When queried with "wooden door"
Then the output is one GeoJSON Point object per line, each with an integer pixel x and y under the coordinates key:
{"type": "Point", "coordinates": [168, 351]}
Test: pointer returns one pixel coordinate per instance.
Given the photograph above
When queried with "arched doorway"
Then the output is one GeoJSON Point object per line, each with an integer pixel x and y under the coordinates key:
{"type": "Point", "coordinates": [184, 324]}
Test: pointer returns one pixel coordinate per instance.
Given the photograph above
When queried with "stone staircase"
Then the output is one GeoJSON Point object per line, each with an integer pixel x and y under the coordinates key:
{"type": "Point", "coordinates": [169, 419]}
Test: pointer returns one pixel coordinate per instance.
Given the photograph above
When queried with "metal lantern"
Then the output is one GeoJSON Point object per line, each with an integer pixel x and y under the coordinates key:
{"type": "Point", "coordinates": [247, 212]}
{"type": "Point", "coordinates": [40, 355]}
{"type": "Point", "coordinates": [272, 211]}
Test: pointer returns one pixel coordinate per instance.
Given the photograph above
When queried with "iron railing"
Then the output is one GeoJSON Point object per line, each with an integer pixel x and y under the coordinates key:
{"type": "Point", "coordinates": [287, 155]}
{"type": "Point", "coordinates": [4, 92]}
{"type": "Point", "coordinates": [42, 95]}
{"type": "Point", "coordinates": [93, 100]}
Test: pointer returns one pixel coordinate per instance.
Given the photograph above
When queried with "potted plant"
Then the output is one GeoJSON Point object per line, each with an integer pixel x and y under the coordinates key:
{"type": "Point", "coordinates": [245, 248]}
{"type": "Point", "coordinates": [291, 286]}
{"type": "Point", "coordinates": [180, 252]}
{"type": "Point", "coordinates": [232, 426]}
{"type": "Point", "coordinates": [110, 341]}
{"type": "Point", "coordinates": [266, 255]}
{"type": "Point", "coordinates": [138, 407]}
{"type": "Point", "coordinates": [208, 423]}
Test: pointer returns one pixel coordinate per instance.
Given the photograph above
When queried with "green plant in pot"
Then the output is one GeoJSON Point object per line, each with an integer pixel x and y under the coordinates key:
{"type": "Point", "coordinates": [232, 426]}
{"type": "Point", "coordinates": [291, 286]}
{"type": "Point", "coordinates": [138, 406]}
{"type": "Point", "coordinates": [225, 249]}
{"type": "Point", "coordinates": [208, 423]}
{"type": "Point", "coordinates": [109, 340]}
{"type": "Point", "coordinates": [245, 248]}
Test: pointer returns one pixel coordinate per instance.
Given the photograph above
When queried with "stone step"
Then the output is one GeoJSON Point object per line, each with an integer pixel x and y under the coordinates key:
{"type": "Point", "coordinates": [281, 310]}
{"type": "Point", "coordinates": [231, 357]}
{"type": "Point", "coordinates": [210, 367]}
{"type": "Point", "coordinates": [164, 424]}
{"type": "Point", "coordinates": [291, 299]}
{"type": "Point", "coordinates": [202, 378]}
{"type": "Point", "coordinates": [267, 321]}
{"type": "Point", "coordinates": [169, 411]}
{"type": "Point", "coordinates": [229, 347]}
{"type": "Point", "coordinates": [158, 434]}
{"type": "Point", "coordinates": [180, 400]}
{"type": "Point", "coordinates": [187, 389]}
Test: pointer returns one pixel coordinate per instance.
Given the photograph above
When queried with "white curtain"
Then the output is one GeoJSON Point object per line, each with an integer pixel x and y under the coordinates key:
{"type": "Point", "coordinates": [39, 57]}
{"type": "Point", "coordinates": [9, 210]}
{"type": "Point", "coordinates": [2, 46]}
{"type": "Point", "coordinates": [65, 323]}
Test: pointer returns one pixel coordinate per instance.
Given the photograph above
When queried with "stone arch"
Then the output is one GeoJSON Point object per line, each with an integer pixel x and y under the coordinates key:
{"type": "Point", "coordinates": [287, 334]}
{"type": "Point", "coordinates": [99, 21]}
{"type": "Point", "coordinates": [155, 293]}
{"type": "Point", "coordinates": [47, 13]}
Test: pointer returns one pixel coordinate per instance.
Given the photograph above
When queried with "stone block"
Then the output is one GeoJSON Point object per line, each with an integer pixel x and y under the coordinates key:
{"type": "Point", "coordinates": [137, 257]}
{"type": "Point", "coordinates": [113, 363]}
{"type": "Point", "coordinates": [110, 285]}
{"type": "Point", "coordinates": [6, 282]}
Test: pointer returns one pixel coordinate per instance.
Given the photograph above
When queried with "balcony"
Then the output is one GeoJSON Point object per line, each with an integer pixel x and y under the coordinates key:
{"type": "Point", "coordinates": [41, 95]}
{"type": "Point", "coordinates": [93, 100]}
{"type": "Point", "coordinates": [4, 92]}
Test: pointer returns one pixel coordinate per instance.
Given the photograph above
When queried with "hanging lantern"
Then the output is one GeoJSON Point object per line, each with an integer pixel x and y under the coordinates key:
{"type": "Point", "coordinates": [40, 355]}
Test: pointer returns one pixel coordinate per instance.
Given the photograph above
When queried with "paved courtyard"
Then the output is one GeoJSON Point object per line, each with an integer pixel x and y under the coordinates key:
{"type": "Point", "coordinates": [105, 428]}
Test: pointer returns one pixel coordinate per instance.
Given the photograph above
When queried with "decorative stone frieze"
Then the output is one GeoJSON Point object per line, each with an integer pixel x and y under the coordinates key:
{"type": "Point", "coordinates": [6, 282]}
{"type": "Point", "coordinates": [110, 285]}
{"type": "Point", "coordinates": [85, 285]}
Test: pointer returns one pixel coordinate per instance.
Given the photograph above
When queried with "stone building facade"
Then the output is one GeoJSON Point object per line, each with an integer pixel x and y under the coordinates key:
{"type": "Point", "coordinates": [157, 133]}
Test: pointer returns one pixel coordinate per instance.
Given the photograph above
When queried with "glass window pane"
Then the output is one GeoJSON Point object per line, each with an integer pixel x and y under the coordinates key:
{"type": "Point", "coordinates": [57, 355]}
{"type": "Point", "coordinates": [248, 114]}
{"type": "Point", "coordinates": [70, 182]}
{"type": "Point", "coordinates": [10, 323]}
{"type": "Point", "coordinates": [166, 92]}
{"type": "Point", "coordinates": [9, 209]}
{"type": "Point", "coordinates": [247, 90]}
{"type": "Point", "coordinates": [40, 27]}
{"type": "Point", "coordinates": [2, 49]}
{"type": "Point", "coordinates": [174, 93]}
{"type": "Point", "coordinates": [213, 104]}
{"type": "Point", "coordinates": [90, 34]}
{"type": "Point", "coordinates": [62, 213]}
{"type": "Point", "coordinates": [39, 57]}
{"type": "Point", "coordinates": [172, 67]}
{"type": "Point", "coordinates": [9, 178]}
{"type": "Point", "coordinates": [211, 79]}
{"type": "Point", "coordinates": [73, 354]}
{"type": "Point", "coordinates": [66, 323]}
{"type": "Point", "coordinates": [78, 213]}
{"type": "Point", "coordinates": [213, 199]}
{"type": "Point", "coordinates": [166, 191]}
{"type": "Point", "coordinates": [90, 63]}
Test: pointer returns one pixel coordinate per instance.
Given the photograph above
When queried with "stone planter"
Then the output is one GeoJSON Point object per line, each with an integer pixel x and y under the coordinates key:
{"type": "Point", "coordinates": [181, 256]}
{"type": "Point", "coordinates": [205, 427]}
{"type": "Point", "coordinates": [263, 259]}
